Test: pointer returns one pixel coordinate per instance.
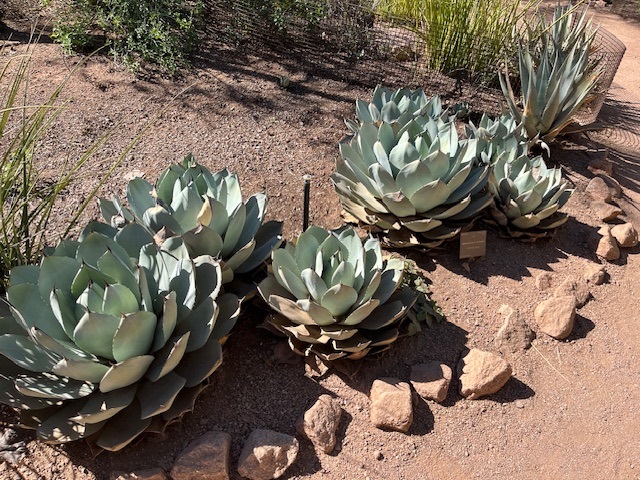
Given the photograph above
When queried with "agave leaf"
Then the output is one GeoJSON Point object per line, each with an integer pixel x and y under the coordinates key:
{"type": "Point", "coordinates": [320, 315]}
{"type": "Point", "coordinates": [25, 298]}
{"type": "Point", "coordinates": [64, 349]}
{"type": "Point", "coordinates": [526, 221]}
{"type": "Point", "coordinates": [22, 351]}
{"type": "Point", "coordinates": [197, 366]}
{"type": "Point", "coordinates": [339, 299]}
{"type": "Point", "coordinates": [228, 312]}
{"type": "Point", "coordinates": [10, 396]}
{"type": "Point", "coordinates": [125, 373]}
{"type": "Point", "coordinates": [123, 275]}
{"type": "Point", "coordinates": [157, 397]}
{"type": "Point", "coordinates": [94, 333]}
{"type": "Point", "coordinates": [185, 205]}
{"type": "Point", "coordinates": [56, 272]}
{"type": "Point", "coordinates": [83, 370]}
{"type": "Point", "coordinates": [123, 428]}
{"type": "Point", "coordinates": [314, 283]}
{"type": "Point", "coordinates": [168, 358]}
{"type": "Point", "coordinates": [418, 224]}
{"type": "Point", "coordinates": [430, 196]}
{"type": "Point", "coordinates": [24, 274]}
{"type": "Point", "coordinates": [60, 428]}
{"type": "Point", "coordinates": [48, 385]}
{"type": "Point", "coordinates": [95, 245]}
{"type": "Point", "coordinates": [203, 241]}
{"type": "Point", "coordinates": [270, 286]}
{"type": "Point", "coordinates": [355, 344]}
{"type": "Point", "coordinates": [389, 282]}
{"type": "Point", "coordinates": [103, 406]}
{"type": "Point", "coordinates": [62, 305]}
{"type": "Point", "coordinates": [362, 312]}
{"type": "Point", "coordinates": [158, 217]}
{"type": "Point", "coordinates": [200, 323]}
{"type": "Point", "coordinates": [132, 237]}
{"type": "Point", "coordinates": [268, 238]}
{"type": "Point", "coordinates": [380, 338]}
{"type": "Point", "coordinates": [208, 277]}
{"type": "Point", "coordinates": [134, 335]}
{"type": "Point", "coordinates": [290, 309]}
{"type": "Point", "coordinates": [234, 230]}
{"type": "Point", "coordinates": [119, 300]}
{"type": "Point", "coordinates": [139, 196]}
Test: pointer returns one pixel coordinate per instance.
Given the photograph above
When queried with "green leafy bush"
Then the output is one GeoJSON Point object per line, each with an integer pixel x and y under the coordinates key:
{"type": "Point", "coordinates": [157, 31]}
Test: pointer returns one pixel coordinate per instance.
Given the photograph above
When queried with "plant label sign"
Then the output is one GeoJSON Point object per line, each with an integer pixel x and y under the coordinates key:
{"type": "Point", "coordinates": [473, 244]}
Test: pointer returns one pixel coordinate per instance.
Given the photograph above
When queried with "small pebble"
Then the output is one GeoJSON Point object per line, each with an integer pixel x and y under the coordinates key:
{"type": "Point", "coordinates": [520, 403]}
{"type": "Point", "coordinates": [378, 455]}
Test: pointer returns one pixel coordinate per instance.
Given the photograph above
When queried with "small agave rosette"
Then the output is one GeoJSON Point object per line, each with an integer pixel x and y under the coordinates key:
{"type": "Point", "coordinates": [420, 185]}
{"type": "Point", "coordinates": [528, 196]}
{"type": "Point", "coordinates": [206, 210]}
{"type": "Point", "coordinates": [103, 347]}
{"type": "Point", "coordinates": [336, 296]}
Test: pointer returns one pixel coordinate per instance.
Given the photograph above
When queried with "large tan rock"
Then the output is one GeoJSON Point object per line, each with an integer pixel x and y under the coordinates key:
{"type": "Point", "coordinates": [598, 189]}
{"type": "Point", "coordinates": [577, 287]}
{"type": "Point", "coordinates": [556, 316]}
{"type": "Point", "coordinates": [482, 373]}
{"type": "Point", "coordinates": [267, 455]}
{"type": "Point", "coordinates": [607, 246]}
{"type": "Point", "coordinates": [206, 458]}
{"type": "Point", "coordinates": [626, 235]}
{"type": "Point", "coordinates": [595, 274]}
{"type": "Point", "coordinates": [515, 334]}
{"type": "Point", "coordinates": [431, 380]}
{"type": "Point", "coordinates": [320, 422]}
{"type": "Point", "coordinates": [391, 404]}
{"type": "Point", "coordinates": [604, 211]}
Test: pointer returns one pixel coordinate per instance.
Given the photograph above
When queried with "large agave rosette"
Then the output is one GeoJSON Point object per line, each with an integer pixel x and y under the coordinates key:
{"type": "Point", "coordinates": [105, 343]}
{"type": "Point", "coordinates": [206, 210]}
{"type": "Point", "coordinates": [336, 296]}
{"type": "Point", "coordinates": [416, 182]}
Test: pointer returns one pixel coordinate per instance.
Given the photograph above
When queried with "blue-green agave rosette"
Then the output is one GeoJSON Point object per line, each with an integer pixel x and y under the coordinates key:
{"type": "Point", "coordinates": [336, 296]}
{"type": "Point", "coordinates": [105, 343]}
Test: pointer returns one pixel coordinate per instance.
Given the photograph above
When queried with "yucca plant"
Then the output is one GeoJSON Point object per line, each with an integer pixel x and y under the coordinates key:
{"type": "Point", "coordinates": [206, 210]}
{"type": "Point", "coordinates": [107, 342]}
{"type": "Point", "coordinates": [557, 73]}
{"type": "Point", "coordinates": [413, 179]}
{"type": "Point", "coordinates": [527, 196]}
{"type": "Point", "coordinates": [336, 295]}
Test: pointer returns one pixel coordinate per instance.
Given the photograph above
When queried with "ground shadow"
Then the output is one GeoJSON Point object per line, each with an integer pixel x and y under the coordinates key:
{"type": "Point", "coordinates": [513, 390]}
{"type": "Point", "coordinates": [581, 328]}
{"type": "Point", "coordinates": [509, 257]}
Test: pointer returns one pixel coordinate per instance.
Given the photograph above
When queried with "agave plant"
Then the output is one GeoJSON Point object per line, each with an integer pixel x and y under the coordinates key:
{"type": "Point", "coordinates": [397, 108]}
{"type": "Point", "coordinates": [497, 135]}
{"type": "Point", "coordinates": [557, 75]}
{"type": "Point", "coordinates": [336, 296]}
{"type": "Point", "coordinates": [206, 210]}
{"type": "Point", "coordinates": [414, 180]}
{"type": "Point", "coordinates": [103, 345]}
{"type": "Point", "coordinates": [527, 196]}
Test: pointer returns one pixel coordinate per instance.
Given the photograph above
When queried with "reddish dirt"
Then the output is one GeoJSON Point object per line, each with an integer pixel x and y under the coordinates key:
{"type": "Point", "coordinates": [570, 410]}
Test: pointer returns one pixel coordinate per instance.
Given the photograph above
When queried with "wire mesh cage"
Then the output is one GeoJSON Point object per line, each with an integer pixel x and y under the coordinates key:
{"type": "Point", "coordinates": [350, 41]}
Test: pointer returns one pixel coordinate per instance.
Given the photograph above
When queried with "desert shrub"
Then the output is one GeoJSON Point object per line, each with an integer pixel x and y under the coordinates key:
{"type": "Point", "coordinates": [162, 32]}
{"type": "Point", "coordinates": [463, 38]}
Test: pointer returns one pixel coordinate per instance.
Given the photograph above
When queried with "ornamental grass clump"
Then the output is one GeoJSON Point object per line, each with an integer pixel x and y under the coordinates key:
{"type": "Point", "coordinates": [412, 178]}
{"type": "Point", "coordinates": [105, 343]}
{"type": "Point", "coordinates": [206, 210]}
{"type": "Point", "coordinates": [335, 294]}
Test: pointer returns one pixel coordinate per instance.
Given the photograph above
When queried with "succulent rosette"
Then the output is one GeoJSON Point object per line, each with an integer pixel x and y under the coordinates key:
{"type": "Point", "coordinates": [335, 294]}
{"type": "Point", "coordinates": [107, 340]}
{"type": "Point", "coordinates": [207, 210]}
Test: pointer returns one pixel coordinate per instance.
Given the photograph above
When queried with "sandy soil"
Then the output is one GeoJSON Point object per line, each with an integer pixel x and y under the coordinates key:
{"type": "Point", "coordinates": [570, 410]}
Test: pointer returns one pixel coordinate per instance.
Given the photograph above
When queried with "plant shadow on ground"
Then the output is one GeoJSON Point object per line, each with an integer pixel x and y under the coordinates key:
{"type": "Point", "coordinates": [509, 257]}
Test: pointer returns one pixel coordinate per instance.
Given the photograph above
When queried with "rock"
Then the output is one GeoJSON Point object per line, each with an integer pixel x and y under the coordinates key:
{"type": "Point", "coordinates": [544, 281]}
{"type": "Point", "coordinates": [612, 183]}
{"type": "Point", "coordinates": [320, 422]}
{"type": "Point", "coordinates": [607, 247]}
{"type": "Point", "coordinates": [626, 235]}
{"type": "Point", "coordinates": [206, 458]}
{"type": "Point", "coordinates": [12, 449]}
{"type": "Point", "coordinates": [576, 287]}
{"type": "Point", "coordinates": [595, 274]}
{"type": "Point", "coordinates": [556, 315]}
{"type": "Point", "coordinates": [605, 211]}
{"type": "Point", "coordinates": [391, 404]}
{"type": "Point", "coordinates": [598, 189]}
{"type": "Point", "coordinates": [514, 335]}
{"type": "Point", "coordinates": [482, 373]}
{"type": "Point", "coordinates": [601, 165]}
{"type": "Point", "coordinates": [152, 474]}
{"type": "Point", "coordinates": [267, 454]}
{"type": "Point", "coordinates": [431, 380]}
